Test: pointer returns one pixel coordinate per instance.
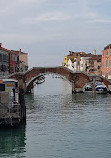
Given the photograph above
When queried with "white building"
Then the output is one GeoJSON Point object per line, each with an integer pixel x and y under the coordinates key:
{"type": "Point", "coordinates": [84, 61]}
{"type": "Point", "coordinates": [72, 65]}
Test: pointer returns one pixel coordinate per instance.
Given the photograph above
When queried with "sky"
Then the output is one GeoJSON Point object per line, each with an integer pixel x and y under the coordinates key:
{"type": "Point", "coordinates": [48, 29]}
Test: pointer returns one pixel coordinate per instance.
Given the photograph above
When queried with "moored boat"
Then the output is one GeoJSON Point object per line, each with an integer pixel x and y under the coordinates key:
{"type": "Point", "coordinates": [87, 88]}
{"type": "Point", "coordinates": [101, 89]}
{"type": "Point", "coordinates": [40, 80]}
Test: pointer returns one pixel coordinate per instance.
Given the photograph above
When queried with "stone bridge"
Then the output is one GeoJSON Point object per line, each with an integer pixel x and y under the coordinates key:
{"type": "Point", "coordinates": [78, 79]}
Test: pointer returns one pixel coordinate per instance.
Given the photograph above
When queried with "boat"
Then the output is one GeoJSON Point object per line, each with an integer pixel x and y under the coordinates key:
{"type": "Point", "coordinates": [40, 79]}
{"type": "Point", "coordinates": [101, 89]}
{"type": "Point", "coordinates": [87, 88]}
{"type": "Point", "coordinates": [10, 110]}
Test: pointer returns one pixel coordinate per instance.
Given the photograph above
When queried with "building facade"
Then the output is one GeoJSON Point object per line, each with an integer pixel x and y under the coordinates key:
{"type": "Point", "coordinates": [106, 62]}
{"type": "Point", "coordinates": [13, 62]}
{"type": "Point", "coordinates": [80, 61]}
{"type": "Point", "coordinates": [23, 60]}
{"type": "Point", "coordinates": [4, 61]}
{"type": "Point", "coordinates": [8, 61]}
{"type": "Point", "coordinates": [72, 61]}
{"type": "Point", "coordinates": [84, 61]}
{"type": "Point", "coordinates": [72, 64]}
{"type": "Point", "coordinates": [95, 65]}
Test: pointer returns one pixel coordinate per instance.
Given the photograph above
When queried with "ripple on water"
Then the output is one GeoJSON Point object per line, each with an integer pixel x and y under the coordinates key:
{"type": "Point", "coordinates": [62, 125]}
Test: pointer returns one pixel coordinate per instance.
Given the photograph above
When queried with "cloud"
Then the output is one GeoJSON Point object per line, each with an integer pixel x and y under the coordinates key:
{"type": "Point", "coordinates": [50, 16]}
{"type": "Point", "coordinates": [101, 20]}
{"type": "Point", "coordinates": [27, 2]}
{"type": "Point", "coordinates": [55, 26]}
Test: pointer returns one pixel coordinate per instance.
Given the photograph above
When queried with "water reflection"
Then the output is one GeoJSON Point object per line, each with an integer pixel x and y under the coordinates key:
{"type": "Point", "coordinates": [61, 125]}
{"type": "Point", "coordinates": [12, 142]}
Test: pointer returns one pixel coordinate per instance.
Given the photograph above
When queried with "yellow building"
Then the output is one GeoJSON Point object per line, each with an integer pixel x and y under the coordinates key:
{"type": "Point", "coordinates": [75, 56]}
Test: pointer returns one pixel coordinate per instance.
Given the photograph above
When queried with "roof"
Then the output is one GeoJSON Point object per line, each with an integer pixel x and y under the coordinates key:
{"type": "Point", "coordinates": [19, 51]}
{"type": "Point", "coordinates": [75, 53]}
{"type": "Point", "coordinates": [96, 57]}
{"type": "Point", "coordinates": [86, 55]}
{"type": "Point", "coordinates": [4, 49]}
{"type": "Point", "coordinates": [107, 47]}
{"type": "Point", "coordinates": [7, 50]}
{"type": "Point", "coordinates": [72, 60]}
{"type": "Point", "coordinates": [72, 55]}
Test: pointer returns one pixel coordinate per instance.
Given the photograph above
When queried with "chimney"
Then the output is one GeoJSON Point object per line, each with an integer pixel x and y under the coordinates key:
{"type": "Point", "coordinates": [94, 52]}
{"type": "Point", "coordinates": [19, 51]}
{"type": "Point", "coordinates": [0, 45]}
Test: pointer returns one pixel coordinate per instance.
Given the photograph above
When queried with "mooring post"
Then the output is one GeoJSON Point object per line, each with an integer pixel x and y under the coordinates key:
{"type": "Point", "coordinates": [73, 87]}
{"type": "Point", "coordinates": [24, 87]}
{"type": "Point", "coordinates": [93, 86]}
{"type": "Point", "coordinates": [22, 105]}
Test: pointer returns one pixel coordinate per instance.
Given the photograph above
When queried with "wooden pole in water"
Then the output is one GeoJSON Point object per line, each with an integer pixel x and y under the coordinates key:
{"type": "Point", "coordinates": [73, 87]}
{"type": "Point", "coordinates": [22, 104]}
{"type": "Point", "coordinates": [94, 84]}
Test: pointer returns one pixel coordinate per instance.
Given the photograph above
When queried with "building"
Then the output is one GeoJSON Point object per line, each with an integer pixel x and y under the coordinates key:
{"type": "Point", "coordinates": [84, 61]}
{"type": "Point", "coordinates": [95, 65]}
{"type": "Point", "coordinates": [23, 58]}
{"type": "Point", "coordinates": [106, 62]}
{"type": "Point", "coordinates": [80, 61]}
{"type": "Point", "coordinates": [8, 61]}
{"type": "Point", "coordinates": [72, 64]}
{"type": "Point", "coordinates": [4, 61]}
{"type": "Point", "coordinates": [13, 62]}
{"type": "Point", "coordinates": [72, 61]}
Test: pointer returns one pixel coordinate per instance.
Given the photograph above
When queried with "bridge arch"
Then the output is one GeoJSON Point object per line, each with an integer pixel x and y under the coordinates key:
{"type": "Point", "coordinates": [33, 79]}
{"type": "Point", "coordinates": [78, 79]}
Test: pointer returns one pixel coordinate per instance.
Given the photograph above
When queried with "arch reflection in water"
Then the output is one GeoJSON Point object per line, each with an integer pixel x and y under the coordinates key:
{"type": "Point", "coordinates": [12, 142]}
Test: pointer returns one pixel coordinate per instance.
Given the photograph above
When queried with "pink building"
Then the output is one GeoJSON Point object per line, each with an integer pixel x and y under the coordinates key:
{"type": "Point", "coordinates": [23, 58]}
{"type": "Point", "coordinates": [95, 65]}
{"type": "Point", "coordinates": [106, 62]}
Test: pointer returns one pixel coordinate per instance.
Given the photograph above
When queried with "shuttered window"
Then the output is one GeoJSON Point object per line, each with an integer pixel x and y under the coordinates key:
{"type": "Point", "coordinates": [107, 63]}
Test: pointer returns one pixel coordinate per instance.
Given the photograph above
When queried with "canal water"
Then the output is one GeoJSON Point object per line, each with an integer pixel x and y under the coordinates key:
{"type": "Point", "coordinates": [61, 125]}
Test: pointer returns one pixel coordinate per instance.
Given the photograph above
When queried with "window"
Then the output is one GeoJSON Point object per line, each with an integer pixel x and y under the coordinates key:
{"type": "Point", "coordinates": [12, 57]}
{"type": "Point", "coordinates": [107, 63]}
{"type": "Point", "coordinates": [2, 87]}
{"type": "Point", "coordinates": [7, 59]}
{"type": "Point", "coordinates": [15, 58]}
{"type": "Point", "coordinates": [3, 68]}
{"type": "Point", "coordinates": [106, 52]}
{"type": "Point", "coordinates": [4, 58]}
